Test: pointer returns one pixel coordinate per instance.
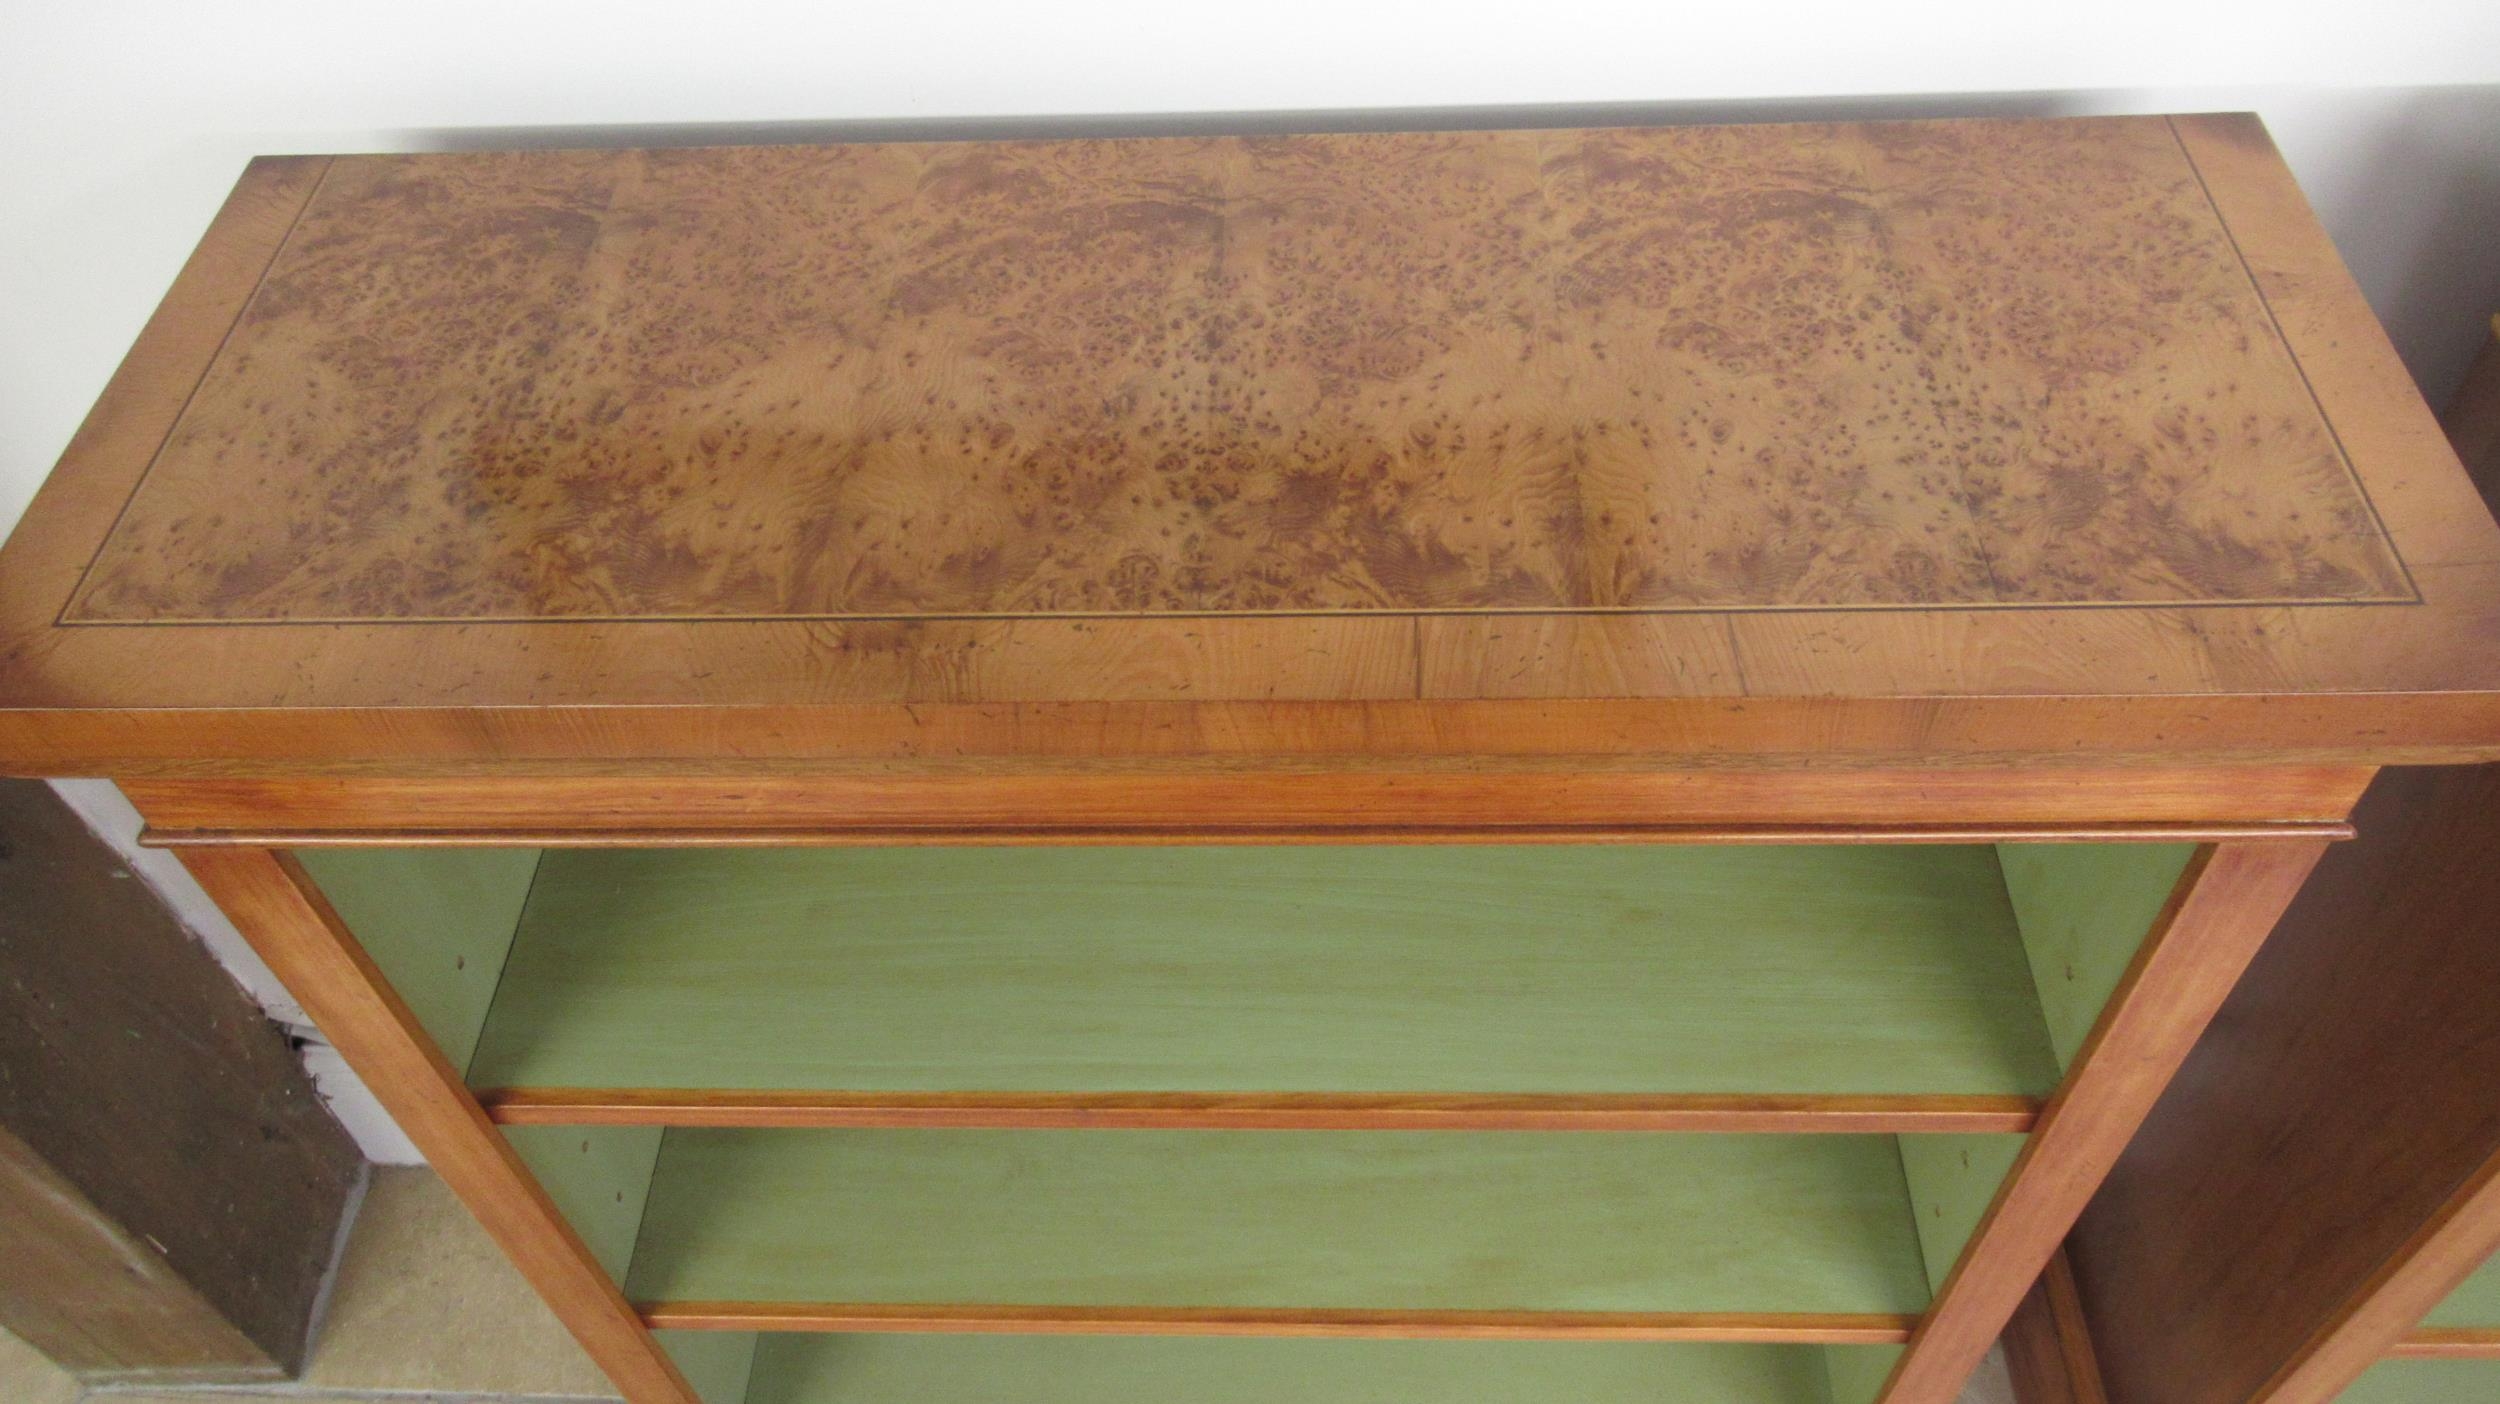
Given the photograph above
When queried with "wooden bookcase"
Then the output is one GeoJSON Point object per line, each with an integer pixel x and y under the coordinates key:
{"type": "Point", "coordinates": [2310, 1213]}
{"type": "Point", "coordinates": [1609, 764]}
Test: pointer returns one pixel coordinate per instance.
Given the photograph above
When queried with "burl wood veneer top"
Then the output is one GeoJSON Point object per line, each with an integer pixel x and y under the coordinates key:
{"type": "Point", "coordinates": [1844, 420]}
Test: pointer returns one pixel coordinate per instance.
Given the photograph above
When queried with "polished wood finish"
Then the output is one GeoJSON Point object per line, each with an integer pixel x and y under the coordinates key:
{"type": "Point", "coordinates": [1309, 1111]}
{"type": "Point", "coordinates": [1594, 443]}
{"type": "Point", "coordinates": [2220, 914]}
{"type": "Point", "coordinates": [1167, 804]}
{"type": "Point", "coordinates": [1590, 1327]}
{"type": "Point", "coordinates": [1461, 374]}
{"type": "Point", "coordinates": [2448, 1343]}
{"type": "Point", "coordinates": [185, 1181]}
{"type": "Point", "coordinates": [2049, 1355]}
{"type": "Point", "coordinates": [284, 915]}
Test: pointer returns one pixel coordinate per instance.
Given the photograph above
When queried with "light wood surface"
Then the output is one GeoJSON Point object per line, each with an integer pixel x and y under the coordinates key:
{"type": "Point", "coordinates": [281, 911]}
{"type": "Point", "coordinates": [1747, 1229]}
{"type": "Point", "coordinates": [1583, 971]}
{"type": "Point", "coordinates": [2012, 439]}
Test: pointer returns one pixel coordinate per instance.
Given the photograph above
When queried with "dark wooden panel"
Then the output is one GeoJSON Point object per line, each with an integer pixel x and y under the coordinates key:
{"type": "Point", "coordinates": [136, 1076]}
{"type": "Point", "coordinates": [2341, 1097]}
{"type": "Point", "coordinates": [2473, 422]}
{"type": "Point", "coordinates": [2048, 1344]}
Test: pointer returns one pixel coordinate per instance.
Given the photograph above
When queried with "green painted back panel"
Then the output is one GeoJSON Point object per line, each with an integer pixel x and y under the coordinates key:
{"type": "Point", "coordinates": [718, 1364]}
{"type": "Point", "coordinates": [1952, 1180]}
{"type": "Point", "coordinates": [1283, 1219]}
{"type": "Point", "coordinates": [599, 1177]}
{"type": "Point", "coordinates": [2476, 1302]}
{"type": "Point", "coordinates": [437, 920]}
{"type": "Point", "coordinates": [2426, 1382]}
{"type": "Point", "coordinates": [2084, 910]}
{"type": "Point", "coordinates": [1203, 1370]}
{"type": "Point", "coordinates": [1457, 969]}
{"type": "Point", "coordinates": [1857, 1373]}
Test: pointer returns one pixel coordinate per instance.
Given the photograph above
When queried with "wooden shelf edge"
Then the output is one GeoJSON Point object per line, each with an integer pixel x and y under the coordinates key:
{"type": "Point", "coordinates": [977, 836]}
{"type": "Point", "coordinates": [2448, 1343]}
{"type": "Point", "coordinates": [1758, 1328]}
{"type": "Point", "coordinates": [1283, 1111]}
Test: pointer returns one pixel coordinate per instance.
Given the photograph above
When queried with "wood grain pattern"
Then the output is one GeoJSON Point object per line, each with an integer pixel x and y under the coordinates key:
{"type": "Point", "coordinates": [1701, 367]}
{"type": "Point", "coordinates": [2225, 904]}
{"type": "Point", "coordinates": [162, 1124]}
{"type": "Point", "coordinates": [279, 909]}
{"type": "Point", "coordinates": [93, 1296]}
{"type": "Point", "coordinates": [1382, 801]}
{"type": "Point", "coordinates": [1884, 442]}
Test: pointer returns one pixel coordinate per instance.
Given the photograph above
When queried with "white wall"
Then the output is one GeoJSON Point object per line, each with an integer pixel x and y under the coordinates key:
{"type": "Point", "coordinates": [122, 124]}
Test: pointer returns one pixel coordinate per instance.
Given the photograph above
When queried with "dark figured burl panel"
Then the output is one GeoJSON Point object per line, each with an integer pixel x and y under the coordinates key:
{"type": "Point", "coordinates": [1940, 364]}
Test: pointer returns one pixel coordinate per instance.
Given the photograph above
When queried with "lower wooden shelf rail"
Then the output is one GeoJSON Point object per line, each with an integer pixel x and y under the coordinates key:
{"type": "Point", "coordinates": [840, 1125]}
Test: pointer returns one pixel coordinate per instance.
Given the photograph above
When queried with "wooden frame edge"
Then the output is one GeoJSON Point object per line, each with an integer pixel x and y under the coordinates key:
{"type": "Point", "coordinates": [1013, 836]}
{"type": "Point", "coordinates": [1760, 1328]}
{"type": "Point", "coordinates": [2219, 913]}
{"type": "Point", "coordinates": [2378, 1319]}
{"type": "Point", "coordinates": [1281, 1111]}
{"type": "Point", "coordinates": [280, 910]}
{"type": "Point", "coordinates": [2448, 1343]}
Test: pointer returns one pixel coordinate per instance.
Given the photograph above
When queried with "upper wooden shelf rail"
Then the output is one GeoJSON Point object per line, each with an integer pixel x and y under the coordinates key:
{"type": "Point", "coordinates": [2006, 441]}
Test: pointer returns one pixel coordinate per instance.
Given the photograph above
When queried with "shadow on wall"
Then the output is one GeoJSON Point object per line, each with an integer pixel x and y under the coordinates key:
{"type": "Point", "coordinates": [2428, 200]}
{"type": "Point", "coordinates": [2406, 179]}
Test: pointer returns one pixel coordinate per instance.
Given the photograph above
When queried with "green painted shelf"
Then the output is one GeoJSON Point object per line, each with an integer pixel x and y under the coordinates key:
{"type": "Point", "coordinates": [2388, 1382]}
{"type": "Point", "coordinates": [1063, 1370]}
{"type": "Point", "coordinates": [1390, 1221]}
{"type": "Point", "coordinates": [2474, 1305]}
{"type": "Point", "coordinates": [1493, 970]}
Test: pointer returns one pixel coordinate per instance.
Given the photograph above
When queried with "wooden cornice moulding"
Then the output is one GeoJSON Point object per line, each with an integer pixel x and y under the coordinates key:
{"type": "Point", "coordinates": [962, 804]}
